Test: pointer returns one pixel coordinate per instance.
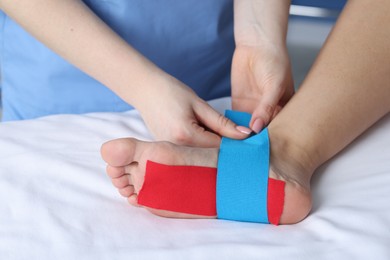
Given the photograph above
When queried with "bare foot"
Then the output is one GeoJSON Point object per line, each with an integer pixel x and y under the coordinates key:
{"type": "Point", "coordinates": [127, 159]}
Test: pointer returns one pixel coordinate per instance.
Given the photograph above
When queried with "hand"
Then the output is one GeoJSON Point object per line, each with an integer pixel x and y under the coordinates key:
{"type": "Point", "coordinates": [261, 82]}
{"type": "Point", "coordinates": [175, 113]}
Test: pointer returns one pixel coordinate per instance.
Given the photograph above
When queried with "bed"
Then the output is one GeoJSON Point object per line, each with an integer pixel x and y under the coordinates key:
{"type": "Point", "coordinates": [57, 202]}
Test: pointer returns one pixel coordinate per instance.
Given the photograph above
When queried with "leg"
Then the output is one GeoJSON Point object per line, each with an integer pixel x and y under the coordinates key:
{"type": "Point", "coordinates": [347, 89]}
{"type": "Point", "coordinates": [345, 93]}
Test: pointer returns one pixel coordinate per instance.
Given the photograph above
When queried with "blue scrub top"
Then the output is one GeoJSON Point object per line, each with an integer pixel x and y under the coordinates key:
{"type": "Point", "coordinates": [191, 40]}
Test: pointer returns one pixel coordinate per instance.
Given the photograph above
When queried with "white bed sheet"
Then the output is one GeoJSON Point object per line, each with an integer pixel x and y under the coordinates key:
{"type": "Point", "coordinates": [57, 203]}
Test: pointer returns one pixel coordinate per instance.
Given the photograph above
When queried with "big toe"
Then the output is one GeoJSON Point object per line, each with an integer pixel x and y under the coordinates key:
{"type": "Point", "coordinates": [119, 152]}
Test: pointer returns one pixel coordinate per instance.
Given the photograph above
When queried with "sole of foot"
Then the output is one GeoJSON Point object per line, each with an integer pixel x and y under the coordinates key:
{"type": "Point", "coordinates": [126, 163]}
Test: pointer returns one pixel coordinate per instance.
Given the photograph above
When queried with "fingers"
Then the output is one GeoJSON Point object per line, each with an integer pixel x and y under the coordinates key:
{"type": "Point", "coordinates": [204, 138]}
{"type": "Point", "coordinates": [265, 111]}
{"type": "Point", "coordinates": [215, 126]}
{"type": "Point", "coordinates": [218, 123]}
{"type": "Point", "coordinates": [190, 133]}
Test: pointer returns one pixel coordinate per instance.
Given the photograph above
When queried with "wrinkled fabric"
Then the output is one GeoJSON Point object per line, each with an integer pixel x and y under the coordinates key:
{"type": "Point", "coordinates": [56, 201]}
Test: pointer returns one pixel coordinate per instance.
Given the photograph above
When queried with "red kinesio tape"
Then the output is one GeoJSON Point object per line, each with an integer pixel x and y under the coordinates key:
{"type": "Point", "coordinates": [192, 190]}
{"type": "Point", "coordinates": [275, 200]}
{"type": "Point", "coordinates": [185, 189]}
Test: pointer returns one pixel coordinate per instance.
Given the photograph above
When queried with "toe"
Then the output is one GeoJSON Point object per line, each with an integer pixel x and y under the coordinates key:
{"type": "Point", "coordinates": [127, 191]}
{"type": "Point", "coordinates": [131, 168]}
{"type": "Point", "coordinates": [133, 200]}
{"type": "Point", "coordinates": [122, 181]}
{"type": "Point", "coordinates": [119, 152]}
{"type": "Point", "coordinates": [115, 172]}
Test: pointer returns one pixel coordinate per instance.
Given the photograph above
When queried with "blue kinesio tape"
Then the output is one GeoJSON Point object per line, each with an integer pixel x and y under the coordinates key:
{"type": "Point", "coordinates": [242, 180]}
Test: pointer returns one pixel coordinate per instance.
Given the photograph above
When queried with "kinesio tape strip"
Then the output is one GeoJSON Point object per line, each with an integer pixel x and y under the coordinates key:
{"type": "Point", "coordinates": [242, 190]}
{"type": "Point", "coordinates": [275, 200]}
{"type": "Point", "coordinates": [158, 193]}
{"type": "Point", "coordinates": [185, 189]}
{"type": "Point", "coordinates": [243, 167]}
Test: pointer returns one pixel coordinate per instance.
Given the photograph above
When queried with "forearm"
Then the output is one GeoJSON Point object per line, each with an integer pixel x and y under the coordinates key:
{"type": "Point", "coordinates": [259, 22]}
{"type": "Point", "coordinates": [73, 31]}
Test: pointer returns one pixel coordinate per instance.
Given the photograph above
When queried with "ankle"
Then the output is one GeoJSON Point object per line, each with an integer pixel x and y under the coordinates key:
{"type": "Point", "coordinates": [289, 159]}
{"type": "Point", "coordinates": [293, 164]}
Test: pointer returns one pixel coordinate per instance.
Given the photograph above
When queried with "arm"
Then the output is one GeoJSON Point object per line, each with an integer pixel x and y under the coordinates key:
{"type": "Point", "coordinates": [261, 22]}
{"type": "Point", "coordinates": [73, 31]}
{"type": "Point", "coordinates": [261, 73]}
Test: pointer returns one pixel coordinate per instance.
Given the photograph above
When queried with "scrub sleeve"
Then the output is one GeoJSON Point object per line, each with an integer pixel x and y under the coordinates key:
{"type": "Point", "coordinates": [191, 40]}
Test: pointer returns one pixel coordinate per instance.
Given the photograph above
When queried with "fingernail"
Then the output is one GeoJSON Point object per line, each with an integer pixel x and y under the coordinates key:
{"type": "Point", "coordinates": [257, 125]}
{"type": "Point", "coordinates": [244, 129]}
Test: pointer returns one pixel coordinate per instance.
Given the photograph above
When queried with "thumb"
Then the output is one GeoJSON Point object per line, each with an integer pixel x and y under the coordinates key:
{"type": "Point", "coordinates": [264, 112]}
{"type": "Point", "coordinates": [219, 123]}
{"type": "Point", "coordinates": [204, 138]}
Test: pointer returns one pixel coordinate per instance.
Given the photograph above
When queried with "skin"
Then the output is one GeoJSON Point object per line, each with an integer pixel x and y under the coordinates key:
{"type": "Point", "coordinates": [346, 91]}
{"type": "Point", "coordinates": [174, 112]}
{"type": "Point", "coordinates": [261, 73]}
